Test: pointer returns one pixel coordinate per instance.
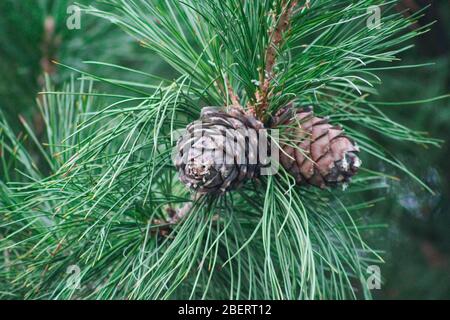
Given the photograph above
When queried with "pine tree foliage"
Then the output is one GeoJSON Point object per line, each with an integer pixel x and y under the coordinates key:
{"type": "Point", "coordinates": [103, 184]}
{"type": "Point", "coordinates": [35, 32]}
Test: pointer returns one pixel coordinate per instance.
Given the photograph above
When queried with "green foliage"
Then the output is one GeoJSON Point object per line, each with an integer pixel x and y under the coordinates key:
{"type": "Point", "coordinates": [29, 46]}
{"type": "Point", "coordinates": [104, 175]}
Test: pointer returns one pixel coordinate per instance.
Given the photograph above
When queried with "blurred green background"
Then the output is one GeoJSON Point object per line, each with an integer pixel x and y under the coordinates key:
{"type": "Point", "coordinates": [417, 240]}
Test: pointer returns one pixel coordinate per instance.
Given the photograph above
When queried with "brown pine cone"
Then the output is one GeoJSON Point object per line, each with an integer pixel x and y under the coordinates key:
{"type": "Point", "coordinates": [313, 151]}
{"type": "Point", "coordinates": [207, 159]}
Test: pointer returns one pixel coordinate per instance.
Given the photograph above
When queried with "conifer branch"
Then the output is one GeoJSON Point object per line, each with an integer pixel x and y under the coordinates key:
{"type": "Point", "coordinates": [281, 26]}
{"type": "Point", "coordinates": [234, 97]}
{"type": "Point", "coordinates": [177, 215]}
{"type": "Point", "coordinates": [113, 172]}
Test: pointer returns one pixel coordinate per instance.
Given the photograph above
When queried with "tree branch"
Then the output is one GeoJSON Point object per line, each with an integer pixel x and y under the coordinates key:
{"type": "Point", "coordinates": [176, 216]}
{"type": "Point", "coordinates": [282, 23]}
{"type": "Point", "coordinates": [234, 97]}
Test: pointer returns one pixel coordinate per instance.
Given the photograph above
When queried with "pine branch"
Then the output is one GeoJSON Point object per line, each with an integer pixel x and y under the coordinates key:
{"type": "Point", "coordinates": [29, 48]}
{"type": "Point", "coordinates": [99, 195]}
{"type": "Point", "coordinates": [281, 24]}
{"type": "Point", "coordinates": [280, 27]}
{"type": "Point", "coordinates": [234, 97]}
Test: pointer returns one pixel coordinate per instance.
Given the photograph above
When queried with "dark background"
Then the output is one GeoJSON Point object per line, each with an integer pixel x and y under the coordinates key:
{"type": "Point", "coordinates": [418, 239]}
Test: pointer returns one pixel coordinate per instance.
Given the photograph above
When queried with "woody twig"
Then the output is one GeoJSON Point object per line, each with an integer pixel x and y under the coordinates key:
{"type": "Point", "coordinates": [176, 216]}
{"type": "Point", "coordinates": [234, 97]}
{"type": "Point", "coordinates": [281, 25]}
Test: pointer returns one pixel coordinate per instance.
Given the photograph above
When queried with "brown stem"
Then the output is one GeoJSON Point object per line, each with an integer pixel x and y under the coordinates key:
{"type": "Point", "coordinates": [176, 216]}
{"type": "Point", "coordinates": [234, 97]}
{"type": "Point", "coordinates": [180, 213]}
{"type": "Point", "coordinates": [282, 23]}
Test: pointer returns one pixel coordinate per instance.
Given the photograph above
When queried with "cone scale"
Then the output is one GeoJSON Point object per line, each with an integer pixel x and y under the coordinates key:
{"type": "Point", "coordinates": [215, 154]}
{"type": "Point", "coordinates": [218, 152]}
{"type": "Point", "coordinates": [315, 152]}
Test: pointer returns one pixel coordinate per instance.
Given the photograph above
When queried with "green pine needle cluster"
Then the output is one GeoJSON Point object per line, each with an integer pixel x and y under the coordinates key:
{"type": "Point", "coordinates": [89, 191]}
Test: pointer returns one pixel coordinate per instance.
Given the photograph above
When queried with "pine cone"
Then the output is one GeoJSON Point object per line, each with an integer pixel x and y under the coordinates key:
{"type": "Point", "coordinates": [313, 151]}
{"type": "Point", "coordinates": [208, 158]}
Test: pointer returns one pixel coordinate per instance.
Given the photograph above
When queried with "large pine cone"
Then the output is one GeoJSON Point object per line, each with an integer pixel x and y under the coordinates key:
{"type": "Point", "coordinates": [313, 151]}
{"type": "Point", "coordinates": [218, 152]}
